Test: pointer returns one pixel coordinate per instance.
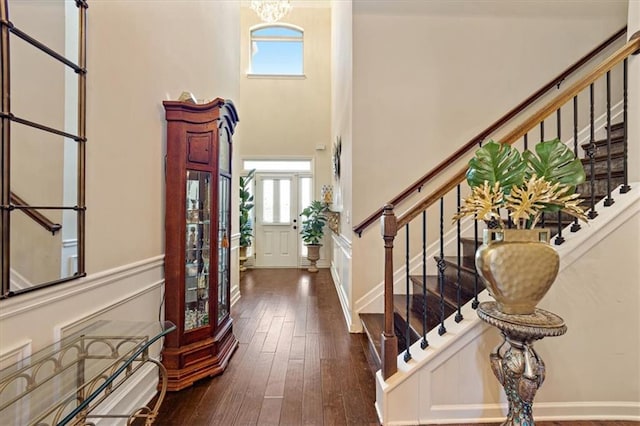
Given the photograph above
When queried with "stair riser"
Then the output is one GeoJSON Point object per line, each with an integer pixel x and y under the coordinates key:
{"type": "Point", "coordinates": [467, 278]}
{"type": "Point", "coordinates": [600, 188]}
{"type": "Point", "coordinates": [617, 147]}
{"type": "Point", "coordinates": [600, 165]}
{"type": "Point", "coordinates": [617, 130]}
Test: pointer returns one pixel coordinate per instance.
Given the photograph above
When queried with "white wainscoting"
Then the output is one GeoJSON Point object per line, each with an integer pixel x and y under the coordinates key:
{"type": "Point", "coordinates": [133, 292]}
{"type": "Point", "coordinates": [341, 274]}
{"type": "Point", "coordinates": [451, 382]}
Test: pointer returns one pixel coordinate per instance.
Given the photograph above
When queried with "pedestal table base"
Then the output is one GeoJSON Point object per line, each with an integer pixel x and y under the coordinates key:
{"type": "Point", "coordinates": [515, 363]}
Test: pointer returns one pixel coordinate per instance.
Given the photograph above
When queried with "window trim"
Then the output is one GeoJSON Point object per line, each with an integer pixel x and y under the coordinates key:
{"type": "Point", "coordinates": [251, 74]}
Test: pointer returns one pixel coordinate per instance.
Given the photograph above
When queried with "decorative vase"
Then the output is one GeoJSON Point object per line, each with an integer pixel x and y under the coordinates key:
{"type": "Point", "coordinates": [518, 267]}
{"type": "Point", "coordinates": [242, 256]}
{"type": "Point", "coordinates": [313, 255]}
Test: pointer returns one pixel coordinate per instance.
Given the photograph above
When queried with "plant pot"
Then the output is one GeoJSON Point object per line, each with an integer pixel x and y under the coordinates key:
{"type": "Point", "coordinates": [518, 267]}
{"type": "Point", "coordinates": [242, 257]}
{"type": "Point", "coordinates": [313, 255]}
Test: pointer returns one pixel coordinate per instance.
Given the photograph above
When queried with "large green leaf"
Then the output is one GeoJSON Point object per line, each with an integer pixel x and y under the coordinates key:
{"type": "Point", "coordinates": [312, 229]}
{"type": "Point", "coordinates": [496, 162]}
{"type": "Point", "coordinates": [555, 162]}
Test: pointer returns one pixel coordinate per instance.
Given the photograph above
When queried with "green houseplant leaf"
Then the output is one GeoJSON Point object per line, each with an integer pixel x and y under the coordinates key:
{"type": "Point", "coordinates": [495, 162]}
{"type": "Point", "coordinates": [314, 220]}
{"type": "Point", "coordinates": [525, 185]}
{"type": "Point", "coordinates": [246, 204]}
{"type": "Point", "coordinates": [555, 162]}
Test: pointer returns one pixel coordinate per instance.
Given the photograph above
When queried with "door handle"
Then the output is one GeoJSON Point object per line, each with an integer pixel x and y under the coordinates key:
{"type": "Point", "coordinates": [295, 227]}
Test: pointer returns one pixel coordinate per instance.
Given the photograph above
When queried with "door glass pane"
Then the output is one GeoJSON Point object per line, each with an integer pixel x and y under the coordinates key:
{"type": "Point", "coordinates": [223, 248]}
{"type": "Point", "coordinates": [285, 201]}
{"type": "Point", "coordinates": [198, 231]}
{"type": "Point", "coordinates": [267, 200]}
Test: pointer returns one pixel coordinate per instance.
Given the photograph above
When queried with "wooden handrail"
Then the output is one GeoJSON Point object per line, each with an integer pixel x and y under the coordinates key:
{"type": "Point", "coordinates": [489, 130]}
{"type": "Point", "coordinates": [633, 46]}
{"type": "Point", "coordinates": [38, 217]}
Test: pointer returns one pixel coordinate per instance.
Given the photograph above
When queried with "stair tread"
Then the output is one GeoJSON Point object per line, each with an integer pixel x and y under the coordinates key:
{"type": "Point", "coordinates": [373, 324]}
{"type": "Point", "coordinates": [453, 261]}
{"type": "Point", "coordinates": [415, 318]}
{"type": "Point", "coordinates": [433, 289]}
{"type": "Point", "coordinates": [614, 139]}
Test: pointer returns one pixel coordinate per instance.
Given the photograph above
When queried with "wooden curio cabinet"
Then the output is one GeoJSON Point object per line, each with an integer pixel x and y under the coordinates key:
{"type": "Point", "coordinates": [197, 233]}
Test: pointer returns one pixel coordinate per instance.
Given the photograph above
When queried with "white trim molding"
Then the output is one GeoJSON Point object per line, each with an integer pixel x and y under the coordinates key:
{"type": "Point", "coordinates": [341, 273]}
{"type": "Point", "coordinates": [451, 382]}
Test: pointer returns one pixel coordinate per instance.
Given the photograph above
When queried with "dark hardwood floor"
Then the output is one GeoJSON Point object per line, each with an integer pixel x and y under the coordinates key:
{"type": "Point", "coordinates": [296, 363]}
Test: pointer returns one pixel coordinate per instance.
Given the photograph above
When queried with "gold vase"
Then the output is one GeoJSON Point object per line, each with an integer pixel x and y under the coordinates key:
{"type": "Point", "coordinates": [518, 267]}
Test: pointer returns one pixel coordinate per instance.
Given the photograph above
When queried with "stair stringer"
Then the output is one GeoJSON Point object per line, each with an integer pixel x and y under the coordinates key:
{"type": "Point", "coordinates": [451, 381]}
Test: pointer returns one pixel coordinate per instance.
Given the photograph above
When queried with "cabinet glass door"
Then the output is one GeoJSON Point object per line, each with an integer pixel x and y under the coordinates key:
{"type": "Point", "coordinates": [198, 231]}
{"type": "Point", "coordinates": [223, 247]}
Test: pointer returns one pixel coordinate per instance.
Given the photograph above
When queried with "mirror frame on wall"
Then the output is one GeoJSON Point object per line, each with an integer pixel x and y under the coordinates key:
{"type": "Point", "coordinates": [10, 203]}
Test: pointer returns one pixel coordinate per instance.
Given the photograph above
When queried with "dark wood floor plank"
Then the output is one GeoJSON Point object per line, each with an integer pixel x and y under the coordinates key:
{"type": "Point", "coordinates": [297, 347]}
{"type": "Point", "coordinates": [275, 384]}
{"type": "Point", "coordinates": [228, 409]}
{"type": "Point", "coordinates": [254, 396]}
{"type": "Point", "coordinates": [291, 412]}
{"type": "Point", "coordinates": [301, 320]}
{"type": "Point", "coordinates": [270, 412]}
{"type": "Point", "coordinates": [327, 348]}
{"type": "Point", "coordinates": [218, 387]}
{"type": "Point", "coordinates": [312, 387]}
{"type": "Point", "coordinates": [273, 335]}
{"type": "Point", "coordinates": [332, 405]}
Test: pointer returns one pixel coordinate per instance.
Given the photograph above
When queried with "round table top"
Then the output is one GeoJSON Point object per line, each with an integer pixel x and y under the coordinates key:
{"type": "Point", "coordinates": [537, 325]}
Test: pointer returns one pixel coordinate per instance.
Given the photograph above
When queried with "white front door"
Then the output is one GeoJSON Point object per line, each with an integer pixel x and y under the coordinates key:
{"type": "Point", "coordinates": [276, 242]}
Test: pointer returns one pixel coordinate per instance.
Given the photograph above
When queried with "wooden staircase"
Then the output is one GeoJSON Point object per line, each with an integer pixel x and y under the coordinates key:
{"type": "Point", "coordinates": [460, 283]}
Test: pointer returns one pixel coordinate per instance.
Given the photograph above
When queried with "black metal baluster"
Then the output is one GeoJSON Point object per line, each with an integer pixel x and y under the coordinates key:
{"type": "Point", "coordinates": [542, 216]}
{"type": "Point", "coordinates": [526, 141]}
{"type": "Point", "coordinates": [559, 238]}
{"type": "Point", "coordinates": [475, 302]}
{"type": "Point", "coordinates": [591, 152]}
{"type": "Point", "coordinates": [441, 267]}
{"type": "Point", "coordinates": [424, 342]}
{"type": "Point", "coordinates": [609, 201]}
{"type": "Point", "coordinates": [459, 317]}
{"type": "Point", "coordinates": [575, 226]}
{"type": "Point", "coordinates": [625, 186]}
{"type": "Point", "coordinates": [407, 353]}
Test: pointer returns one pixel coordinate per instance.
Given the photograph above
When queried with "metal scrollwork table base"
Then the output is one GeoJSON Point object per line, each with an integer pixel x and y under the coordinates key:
{"type": "Point", "coordinates": [515, 363]}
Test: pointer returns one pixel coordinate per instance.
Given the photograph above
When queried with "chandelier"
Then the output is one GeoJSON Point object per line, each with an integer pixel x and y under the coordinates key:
{"type": "Point", "coordinates": [271, 10]}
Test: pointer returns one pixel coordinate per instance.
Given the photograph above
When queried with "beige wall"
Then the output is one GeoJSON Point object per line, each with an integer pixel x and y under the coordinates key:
{"type": "Point", "coordinates": [290, 116]}
{"type": "Point", "coordinates": [426, 78]}
{"type": "Point", "coordinates": [342, 104]}
{"type": "Point", "coordinates": [141, 53]}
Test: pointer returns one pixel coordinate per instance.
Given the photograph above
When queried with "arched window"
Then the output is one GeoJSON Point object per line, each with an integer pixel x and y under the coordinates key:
{"type": "Point", "coordinates": [277, 50]}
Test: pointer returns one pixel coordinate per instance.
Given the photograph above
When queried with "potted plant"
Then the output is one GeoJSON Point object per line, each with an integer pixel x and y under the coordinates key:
{"type": "Point", "coordinates": [246, 228]}
{"type": "Point", "coordinates": [518, 265]}
{"type": "Point", "coordinates": [312, 230]}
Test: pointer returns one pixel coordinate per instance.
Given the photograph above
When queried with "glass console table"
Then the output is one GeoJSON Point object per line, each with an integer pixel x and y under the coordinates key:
{"type": "Point", "coordinates": [63, 383]}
